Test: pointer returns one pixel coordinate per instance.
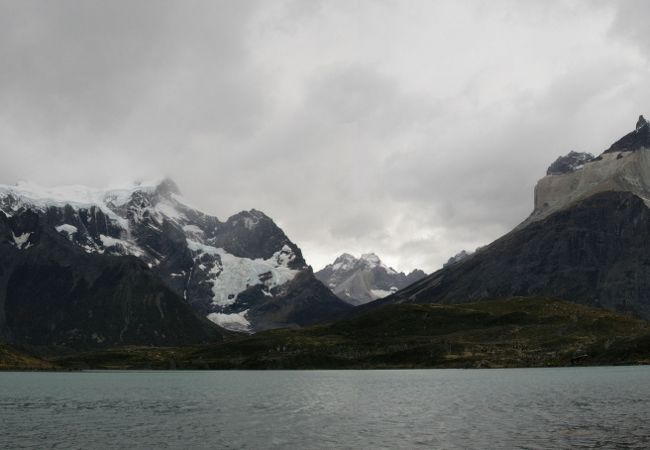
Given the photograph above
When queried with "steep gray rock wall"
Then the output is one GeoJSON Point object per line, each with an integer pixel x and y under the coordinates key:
{"type": "Point", "coordinates": [54, 294]}
{"type": "Point", "coordinates": [596, 253]}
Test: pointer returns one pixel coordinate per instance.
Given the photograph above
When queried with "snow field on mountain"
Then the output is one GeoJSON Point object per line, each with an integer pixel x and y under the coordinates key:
{"type": "Point", "coordinates": [234, 275]}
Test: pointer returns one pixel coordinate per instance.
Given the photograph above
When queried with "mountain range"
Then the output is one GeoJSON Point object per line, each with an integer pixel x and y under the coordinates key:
{"type": "Point", "coordinates": [138, 265]}
{"type": "Point", "coordinates": [362, 280]}
{"type": "Point", "coordinates": [586, 241]}
{"type": "Point", "coordinates": [87, 269]}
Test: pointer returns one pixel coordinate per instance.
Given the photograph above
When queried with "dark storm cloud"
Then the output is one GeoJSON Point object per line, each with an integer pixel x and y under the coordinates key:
{"type": "Point", "coordinates": [412, 129]}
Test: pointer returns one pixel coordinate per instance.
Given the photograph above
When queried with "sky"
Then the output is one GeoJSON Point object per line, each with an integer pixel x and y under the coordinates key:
{"type": "Point", "coordinates": [412, 129]}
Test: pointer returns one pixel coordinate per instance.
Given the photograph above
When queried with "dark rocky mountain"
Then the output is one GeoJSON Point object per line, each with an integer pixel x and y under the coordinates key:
{"type": "Point", "coordinates": [587, 241]}
{"type": "Point", "coordinates": [635, 140]}
{"type": "Point", "coordinates": [54, 294]}
{"type": "Point", "coordinates": [458, 257]}
{"type": "Point", "coordinates": [362, 280]}
{"type": "Point", "coordinates": [569, 163]}
{"type": "Point", "coordinates": [145, 244]}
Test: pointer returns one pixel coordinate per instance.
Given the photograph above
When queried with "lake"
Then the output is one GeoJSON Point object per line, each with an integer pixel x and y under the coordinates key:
{"type": "Point", "coordinates": [603, 407]}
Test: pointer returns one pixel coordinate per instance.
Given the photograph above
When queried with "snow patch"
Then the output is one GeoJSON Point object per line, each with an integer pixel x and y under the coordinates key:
{"type": "Point", "coordinates": [250, 223]}
{"type": "Point", "coordinates": [192, 229]}
{"type": "Point", "coordinates": [78, 197]}
{"type": "Point", "coordinates": [125, 246]}
{"type": "Point", "coordinates": [20, 241]}
{"type": "Point", "coordinates": [233, 322]}
{"type": "Point", "coordinates": [381, 293]}
{"type": "Point", "coordinates": [344, 262]}
{"type": "Point", "coordinates": [67, 229]}
{"type": "Point", "coordinates": [233, 275]}
{"type": "Point", "coordinates": [169, 211]}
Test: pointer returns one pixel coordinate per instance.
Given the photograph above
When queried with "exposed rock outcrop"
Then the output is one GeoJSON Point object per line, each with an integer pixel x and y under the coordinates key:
{"type": "Point", "coordinates": [587, 241]}
{"type": "Point", "coordinates": [222, 270]}
{"type": "Point", "coordinates": [635, 140]}
{"type": "Point", "coordinates": [569, 163]}
{"type": "Point", "coordinates": [359, 281]}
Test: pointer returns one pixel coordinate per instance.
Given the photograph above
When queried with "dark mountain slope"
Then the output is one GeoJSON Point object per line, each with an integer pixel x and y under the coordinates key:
{"type": "Point", "coordinates": [594, 253]}
{"type": "Point", "coordinates": [54, 294]}
{"type": "Point", "coordinates": [229, 272]}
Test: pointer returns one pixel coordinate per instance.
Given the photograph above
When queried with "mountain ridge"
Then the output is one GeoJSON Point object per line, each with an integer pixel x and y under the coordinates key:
{"type": "Point", "coordinates": [364, 279]}
{"type": "Point", "coordinates": [585, 241]}
{"type": "Point", "coordinates": [225, 271]}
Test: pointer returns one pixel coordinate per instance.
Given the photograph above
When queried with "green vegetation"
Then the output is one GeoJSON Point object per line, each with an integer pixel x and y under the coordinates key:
{"type": "Point", "coordinates": [11, 359]}
{"type": "Point", "coordinates": [516, 332]}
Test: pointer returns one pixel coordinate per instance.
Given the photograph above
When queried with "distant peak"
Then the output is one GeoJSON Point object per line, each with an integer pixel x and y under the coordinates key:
{"type": "Point", "coordinates": [250, 214]}
{"type": "Point", "coordinates": [257, 213]}
{"type": "Point", "coordinates": [345, 257]}
{"type": "Point", "coordinates": [371, 258]}
{"type": "Point", "coordinates": [249, 219]}
{"type": "Point", "coordinates": [641, 123]}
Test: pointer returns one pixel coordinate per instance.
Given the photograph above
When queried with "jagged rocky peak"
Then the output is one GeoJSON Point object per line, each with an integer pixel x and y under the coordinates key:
{"type": "Point", "coordinates": [569, 163]}
{"type": "Point", "coordinates": [370, 259]}
{"type": "Point", "coordinates": [361, 280]}
{"type": "Point", "coordinates": [252, 234]}
{"type": "Point", "coordinates": [624, 167]}
{"type": "Point", "coordinates": [345, 262]}
{"type": "Point", "coordinates": [587, 241]}
{"type": "Point", "coordinates": [248, 219]}
{"type": "Point", "coordinates": [635, 140]}
{"type": "Point", "coordinates": [243, 274]}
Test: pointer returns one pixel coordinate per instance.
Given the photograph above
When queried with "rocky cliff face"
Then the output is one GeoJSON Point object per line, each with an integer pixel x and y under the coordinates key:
{"type": "Point", "coordinates": [569, 163]}
{"type": "Point", "coordinates": [359, 281]}
{"type": "Point", "coordinates": [634, 140]}
{"type": "Point", "coordinates": [621, 168]}
{"type": "Point", "coordinates": [236, 273]}
{"type": "Point", "coordinates": [54, 294]}
{"type": "Point", "coordinates": [586, 241]}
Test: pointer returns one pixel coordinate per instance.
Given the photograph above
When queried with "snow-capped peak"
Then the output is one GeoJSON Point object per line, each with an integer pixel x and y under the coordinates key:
{"type": "Point", "coordinates": [209, 262]}
{"type": "Point", "coordinates": [346, 257]}
{"type": "Point", "coordinates": [344, 262]}
{"type": "Point", "coordinates": [623, 167]}
{"type": "Point", "coordinates": [361, 280]}
{"type": "Point", "coordinates": [34, 194]}
{"type": "Point", "coordinates": [371, 259]}
{"type": "Point", "coordinates": [347, 262]}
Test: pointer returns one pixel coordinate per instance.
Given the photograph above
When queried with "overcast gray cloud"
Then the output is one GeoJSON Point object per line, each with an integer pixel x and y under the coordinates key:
{"type": "Point", "coordinates": [412, 129]}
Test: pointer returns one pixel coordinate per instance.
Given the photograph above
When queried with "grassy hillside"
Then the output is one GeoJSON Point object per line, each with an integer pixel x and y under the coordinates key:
{"type": "Point", "coordinates": [11, 359]}
{"type": "Point", "coordinates": [516, 332]}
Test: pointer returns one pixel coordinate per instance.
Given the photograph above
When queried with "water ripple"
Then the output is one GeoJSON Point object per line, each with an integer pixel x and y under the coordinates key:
{"type": "Point", "coordinates": [532, 409]}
